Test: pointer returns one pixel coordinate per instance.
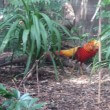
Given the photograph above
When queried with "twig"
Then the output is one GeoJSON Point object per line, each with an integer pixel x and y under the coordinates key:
{"type": "Point", "coordinates": [97, 9]}
{"type": "Point", "coordinates": [99, 33]}
{"type": "Point", "coordinates": [31, 71]}
{"type": "Point", "coordinates": [14, 84]}
{"type": "Point", "coordinates": [11, 62]}
{"type": "Point", "coordinates": [25, 89]}
{"type": "Point", "coordinates": [27, 76]}
{"type": "Point", "coordinates": [37, 77]}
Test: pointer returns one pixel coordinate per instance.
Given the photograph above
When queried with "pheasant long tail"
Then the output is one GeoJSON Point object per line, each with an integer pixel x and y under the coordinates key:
{"type": "Point", "coordinates": [67, 53]}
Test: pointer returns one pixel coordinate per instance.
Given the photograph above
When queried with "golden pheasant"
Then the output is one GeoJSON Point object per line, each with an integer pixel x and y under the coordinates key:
{"type": "Point", "coordinates": [83, 53]}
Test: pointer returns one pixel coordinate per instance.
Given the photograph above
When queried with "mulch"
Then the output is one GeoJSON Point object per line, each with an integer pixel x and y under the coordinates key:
{"type": "Point", "coordinates": [72, 92]}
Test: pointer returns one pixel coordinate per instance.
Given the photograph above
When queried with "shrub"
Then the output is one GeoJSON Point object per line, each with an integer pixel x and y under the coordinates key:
{"type": "Point", "coordinates": [17, 101]}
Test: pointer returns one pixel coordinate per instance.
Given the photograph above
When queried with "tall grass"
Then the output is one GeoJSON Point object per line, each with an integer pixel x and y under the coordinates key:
{"type": "Point", "coordinates": [105, 38]}
{"type": "Point", "coordinates": [36, 33]}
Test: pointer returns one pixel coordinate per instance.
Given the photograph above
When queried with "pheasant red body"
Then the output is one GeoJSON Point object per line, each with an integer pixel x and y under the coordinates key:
{"type": "Point", "coordinates": [83, 55]}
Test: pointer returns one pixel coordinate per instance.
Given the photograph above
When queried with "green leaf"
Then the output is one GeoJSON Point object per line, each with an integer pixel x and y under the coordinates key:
{"type": "Point", "coordinates": [62, 27]}
{"type": "Point", "coordinates": [30, 57]}
{"type": "Point", "coordinates": [36, 33]}
{"type": "Point", "coordinates": [25, 38]}
{"type": "Point", "coordinates": [105, 31]}
{"type": "Point", "coordinates": [26, 6]}
{"type": "Point", "coordinates": [25, 97]}
{"type": "Point", "coordinates": [38, 106]}
{"type": "Point", "coordinates": [18, 106]}
{"type": "Point", "coordinates": [12, 106]}
{"type": "Point", "coordinates": [7, 37]}
{"type": "Point", "coordinates": [73, 38]}
{"type": "Point", "coordinates": [16, 93]}
{"type": "Point", "coordinates": [24, 103]}
{"type": "Point", "coordinates": [48, 21]}
{"type": "Point", "coordinates": [5, 93]}
{"type": "Point", "coordinates": [108, 53]}
{"type": "Point", "coordinates": [58, 38]}
{"type": "Point", "coordinates": [107, 2]}
{"type": "Point", "coordinates": [33, 101]}
{"type": "Point", "coordinates": [43, 35]}
{"type": "Point", "coordinates": [55, 67]}
{"type": "Point", "coordinates": [1, 108]}
{"type": "Point", "coordinates": [6, 22]}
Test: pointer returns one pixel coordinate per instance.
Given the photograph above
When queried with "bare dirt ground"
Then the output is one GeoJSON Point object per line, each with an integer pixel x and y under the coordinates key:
{"type": "Point", "coordinates": [72, 92]}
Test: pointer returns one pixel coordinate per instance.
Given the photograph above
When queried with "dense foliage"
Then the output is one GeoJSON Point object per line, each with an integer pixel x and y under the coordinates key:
{"type": "Point", "coordinates": [31, 30]}
{"type": "Point", "coordinates": [18, 101]}
{"type": "Point", "coordinates": [105, 36]}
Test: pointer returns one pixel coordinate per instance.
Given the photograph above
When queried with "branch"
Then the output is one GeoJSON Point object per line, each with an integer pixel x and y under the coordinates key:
{"type": "Point", "coordinates": [100, 51]}
{"type": "Point", "coordinates": [97, 9]}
